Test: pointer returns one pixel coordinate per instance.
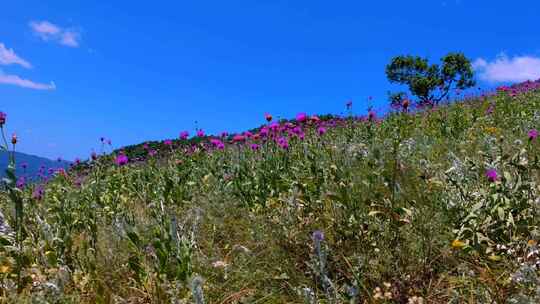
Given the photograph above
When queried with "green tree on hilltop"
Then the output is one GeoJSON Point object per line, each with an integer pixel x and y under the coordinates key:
{"type": "Point", "coordinates": [431, 83]}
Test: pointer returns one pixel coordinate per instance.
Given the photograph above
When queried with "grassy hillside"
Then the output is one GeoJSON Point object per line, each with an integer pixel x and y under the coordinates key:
{"type": "Point", "coordinates": [431, 206]}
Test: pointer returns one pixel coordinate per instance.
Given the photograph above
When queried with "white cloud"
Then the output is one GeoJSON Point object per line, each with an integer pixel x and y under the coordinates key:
{"type": "Point", "coordinates": [25, 83]}
{"type": "Point", "coordinates": [505, 69]}
{"type": "Point", "coordinates": [8, 56]}
{"type": "Point", "coordinates": [48, 31]}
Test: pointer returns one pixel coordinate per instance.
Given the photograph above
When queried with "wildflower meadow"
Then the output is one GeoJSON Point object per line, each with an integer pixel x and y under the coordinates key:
{"type": "Point", "coordinates": [423, 204]}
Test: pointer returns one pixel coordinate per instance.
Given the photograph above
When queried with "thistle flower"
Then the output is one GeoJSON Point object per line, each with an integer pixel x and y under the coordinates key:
{"type": "Point", "coordinates": [93, 156]}
{"type": "Point", "coordinates": [268, 117]}
{"type": "Point", "coordinates": [255, 147]}
{"type": "Point", "coordinates": [318, 236]}
{"type": "Point", "coordinates": [21, 182]}
{"type": "Point", "coordinates": [121, 160]}
{"type": "Point", "coordinates": [371, 115]}
{"type": "Point", "coordinates": [492, 175]}
{"type": "Point", "coordinates": [218, 144]}
{"type": "Point", "coordinates": [14, 139]}
{"type": "Point", "coordinates": [3, 117]}
{"type": "Point", "coordinates": [168, 142]}
{"type": "Point", "coordinates": [38, 192]}
{"type": "Point", "coordinates": [184, 135]}
{"type": "Point", "coordinates": [283, 143]}
{"type": "Point", "coordinates": [200, 133]}
{"type": "Point", "coordinates": [533, 134]}
{"type": "Point", "coordinates": [301, 117]}
{"type": "Point", "coordinates": [152, 152]}
{"type": "Point", "coordinates": [321, 130]}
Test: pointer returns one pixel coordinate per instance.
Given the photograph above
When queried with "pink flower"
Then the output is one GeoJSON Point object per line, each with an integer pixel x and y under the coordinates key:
{"type": "Point", "coordinates": [254, 147]}
{"type": "Point", "coordinates": [283, 143]}
{"type": "Point", "coordinates": [533, 134]}
{"type": "Point", "coordinates": [301, 117]}
{"type": "Point", "coordinates": [321, 130]}
{"type": "Point", "coordinates": [168, 142]}
{"type": "Point", "coordinates": [121, 160]}
{"type": "Point", "coordinates": [218, 144]}
{"type": "Point", "coordinates": [184, 135]}
{"type": "Point", "coordinates": [3, 117]}
{"type": "Point", "coordinates": [200, 133]}
{"type": "Point", "coordinates": [268, 117]}
{"type": "Point", "coordinates": [239, 138]}
{"type": "Point", "coordinates": [492, 175]}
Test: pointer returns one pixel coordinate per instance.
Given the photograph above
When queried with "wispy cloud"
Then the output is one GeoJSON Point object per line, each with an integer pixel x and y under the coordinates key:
{"type": "Point", "coordinates": [24, 83]}
{"type": "Point", "coordinates": [8, 56]}
{"type": "Point", "coordinates": [505, 69]}
{"type": "Point", "coordinates": [48, 31]}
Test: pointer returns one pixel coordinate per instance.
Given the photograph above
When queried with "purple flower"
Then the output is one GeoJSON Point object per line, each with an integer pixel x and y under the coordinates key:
{"type": "Point", "coordinates": [533, 134]}
{"type": "Point", "coordinates": [321, 130]}
{"type": "Point", "coordinates": [318, 236]}
{"type": "Point", "coordinates": [121, 160]}
{"type": "Point", "coordinates": [3, 117]}
{"type": "Point", "coordinates": [301, 117]}
{"type": "Point", "coordinates": [93, 156]}
{"type": "Point", "coordinates": [283, 143]}
{"type": "Point", "coordinates": [168, 142]}
{"type": "Point", "coordinates": [492, 175]}
{"type": "Point", "coordinates": [77, 161]}
{"type": "Point", "coordinates": [184, 135]}
{"type": "Point", "coordinates": [146, 146]}
{"type": "Point", "coordinates": [371, 115]}
{"type": "Point", "coordinates": [224, 134]}
{"type": "Point", "coordinates": [21, 182]}
{"type": "Point", "coordinates": [255, 147]}
{"type": "Point", "coordinates": [38, 192]}
{"type": "Point", "coordinates": [218, 144]}
{"type": "Point", "coordinates": [152, 152]}
{"type": "Point", "coordinates": [200, 133]}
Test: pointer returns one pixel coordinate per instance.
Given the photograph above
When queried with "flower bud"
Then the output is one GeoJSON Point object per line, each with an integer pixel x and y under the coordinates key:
{"type": "Point", "coordinates": [14, 139]}
{"type": "Point", "coordinates": [3, 117]}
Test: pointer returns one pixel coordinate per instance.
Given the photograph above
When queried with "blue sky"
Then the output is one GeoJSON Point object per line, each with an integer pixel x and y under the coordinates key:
{"type": "Point", "coordinates": [71, 72]}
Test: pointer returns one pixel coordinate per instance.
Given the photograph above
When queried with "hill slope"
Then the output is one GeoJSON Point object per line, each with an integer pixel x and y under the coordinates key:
{"type": "Point", "coordinates": [32, 163]}
{"type": "Point", "coordinates": [433, 206]}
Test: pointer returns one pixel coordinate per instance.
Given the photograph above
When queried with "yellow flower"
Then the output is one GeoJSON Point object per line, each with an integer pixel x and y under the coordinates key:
{"type": "Point", "coordinates": [5, 269]}
{"type": "Point", "coordinates": [457, 244]}
{"type": "Point", "coordinates": [492, 130]}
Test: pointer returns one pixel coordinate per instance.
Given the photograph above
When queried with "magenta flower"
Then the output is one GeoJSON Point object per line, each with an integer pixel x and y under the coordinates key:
{"type": "Point", "coordinates": [492, 175]}
{"type": "Point", "coordinates": [315, 118]}
{"type": "Point", "coordinates": [321, 130]}
{"type": "Point", "coordinates": [152, 152]}
{"type": "Point", "coordinates": [218, 144]}
{"type": "Point", "coordinates": [301, 117]}
{"type": "Point", "coordinates": [3, 117]}
{"type": "Point", "coordinates": [121, 160]}
{"type": "Point", "coordinates": [93, 156]}
{"type": "Point", "coordinates": [21, 182]}
{"type": "Point", "coordinates": [533, 134]}
{"type": "Point", "coordinates": [168, 142]}
{"type": "Point", "coordinates": [38, 193]}
{"type": "Point", "coordinates": [255, 147]}
{"type": "Point", "coordinates": [283, 143]}
{"type": "Point", "coordinates": [146, 146]}
{"type": "Point", "coordinates": [268, 117]}
{"type": "Point", "coordinates": [200, 133]}
{"type": "Point", "coordinates": [224, 134]}
{"type": "Point", "coordinates": [184, 135]}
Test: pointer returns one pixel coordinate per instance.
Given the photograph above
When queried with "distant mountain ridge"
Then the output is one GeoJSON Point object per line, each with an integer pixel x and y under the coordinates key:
{"type": "Point", "coordinates": [33, 164]}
